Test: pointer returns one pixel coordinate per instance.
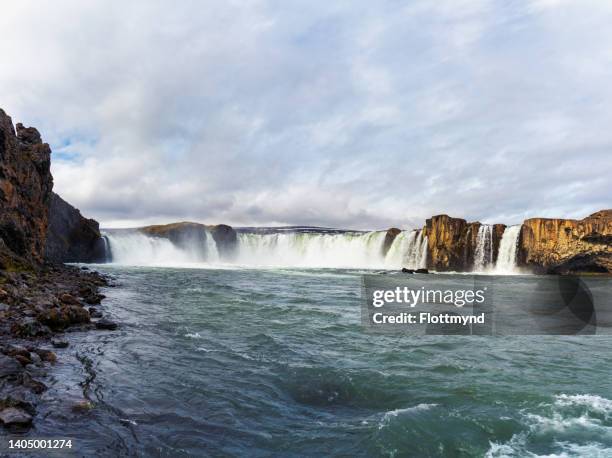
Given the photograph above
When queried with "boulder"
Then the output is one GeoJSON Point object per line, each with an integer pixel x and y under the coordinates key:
{"type": "Point", "coordinates": [29, 327]}
{"type": "Point", "coordinates": [9, 366]}
{"type": "Point", "coordinates": [226, 240]}
{"type": "Point", "coordinates": [59, 318]}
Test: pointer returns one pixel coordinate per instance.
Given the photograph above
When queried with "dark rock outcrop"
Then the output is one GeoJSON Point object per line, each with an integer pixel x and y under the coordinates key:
{"type": "Point", "coordinates": [389, 238]}
{"type": "Point", "coordinates": [36, 298]}
{"type": "Point", "coordinates": [226, 239]}
{"type": "Point", "coordinates": [185, 235]}
{"type": "Point", "coordinates": [193, 237]}
{"type": "Point", "coordinates": [25, 192]}
{"type": "Point", "coordinates": [70, 236]}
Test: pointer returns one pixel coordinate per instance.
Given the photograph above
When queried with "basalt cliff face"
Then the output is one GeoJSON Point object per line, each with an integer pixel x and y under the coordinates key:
{"type": "Point", "coordinates": [25, 192]}
{"type": "Point", "coordinates": [567, 245]}
{"type": "Point", "coordinates": [70, 236]}
{"type": "Point", "coordinates": [452, 242]}
{"type": "Point", "coordinates": [543, 245]}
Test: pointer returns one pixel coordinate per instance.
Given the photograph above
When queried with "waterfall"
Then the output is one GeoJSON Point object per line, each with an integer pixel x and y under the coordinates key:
{"type": "Point", "coordinates": [108, 254]}
{"type": "Point", "coordinates": [483, 255]}
{"type": "Point", "coordinates": [212, 252]}
{"type": "Point", "coordinates": [135, 248]}
{"type": "Point", "coordinates": [274, 248]}
{"type": "Point", "coordinates": [311, 249]}
{"type": "Point", "coordinates": [508, 247]}
{"type": "Point", "coordinates": [409, 249]}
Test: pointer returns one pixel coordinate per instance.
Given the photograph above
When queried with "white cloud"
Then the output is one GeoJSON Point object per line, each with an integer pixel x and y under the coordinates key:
{"type": "Point", "coordinates": [352, 114]}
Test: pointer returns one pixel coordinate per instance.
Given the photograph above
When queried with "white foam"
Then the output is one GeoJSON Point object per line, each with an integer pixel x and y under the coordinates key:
{"type": "Point", "coordinates": [387, 416]}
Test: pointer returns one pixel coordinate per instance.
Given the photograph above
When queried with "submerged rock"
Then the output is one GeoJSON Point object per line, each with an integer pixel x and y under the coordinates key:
{"type": "Point", "coordinates": [9, 366]}
{"type": "Point", "coordinates": [13, 416]}
{"type": "Point", "coordinates": [82, 406]}
{"type": "Point", "coordinates": [59, 343]}
{"type": "Point", "coordinates": [94, 312]}
{"type": "Point", "coordinates": [106, 324]}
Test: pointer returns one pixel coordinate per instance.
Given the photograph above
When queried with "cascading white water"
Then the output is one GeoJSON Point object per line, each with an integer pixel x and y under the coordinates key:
{"type": "Point", "coordinates": [508, 247]}
{"type": "Point", "coordinates": [362, 250]}
{"type": "Point", "coordinates": [107, 252]}
{"type": "Point", "coordinates": [483, 255]}
{"type": "Point", "coordinates": [409, 249]}
{"type": "Point", "coordinates": [312, 249]}
{"type": "Point", "coordinates": [136, 248]}
{"type": "Point", "coordinates": [212, 252]}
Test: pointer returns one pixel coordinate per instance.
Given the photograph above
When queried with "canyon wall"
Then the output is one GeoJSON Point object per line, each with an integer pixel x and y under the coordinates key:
{"type": "Point", "coordinates": [567, 245]}
{"type": "Point", "coordinates": [25, 192]}
{"type": "Point", "coordinates": [36, 225]}
{"type": "Point", "coordinates": [544, 245]}
{"type": "Point", "coordinates": [452, 242]}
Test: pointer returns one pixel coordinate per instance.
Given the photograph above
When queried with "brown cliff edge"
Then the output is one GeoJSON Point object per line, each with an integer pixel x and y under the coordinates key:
{"type": "Point", "coordinates": [544, 245]}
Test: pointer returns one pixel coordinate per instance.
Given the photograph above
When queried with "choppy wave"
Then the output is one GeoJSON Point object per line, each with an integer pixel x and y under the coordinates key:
{"type": "Point", "coordinates": [573, 425]}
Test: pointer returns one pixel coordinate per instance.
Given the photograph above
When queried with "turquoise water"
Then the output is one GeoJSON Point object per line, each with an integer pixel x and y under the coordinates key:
{"type": "Point", "coordinates": [255, 362]}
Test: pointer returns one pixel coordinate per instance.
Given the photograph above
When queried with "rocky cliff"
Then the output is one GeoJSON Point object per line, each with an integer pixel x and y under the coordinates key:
{"type": "Point", "coordinates": [544, 245]}
{"type": "Point", "coordinates": [36, 225]}
{"type": "Point", "coordinates": [452, 242]}
{"type": "Point", "coordinates": [193, 237]}
{"type": "Point", "coordinates": [36, 299]}
{"type": "Point", "coordinates": [25, 192]}
{"type": "Point", "coordinates": [70, 236]}
{"type": "Point", "coordinates": [389, 239]}
{"type": "Point", "coordinates": [567, 245]}
{"type": "Point", "coordinates": [226, 239]}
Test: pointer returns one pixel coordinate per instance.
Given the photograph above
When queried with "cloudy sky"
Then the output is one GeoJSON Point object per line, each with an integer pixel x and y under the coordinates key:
{"type": "Point", "coordinates": [355, 114]}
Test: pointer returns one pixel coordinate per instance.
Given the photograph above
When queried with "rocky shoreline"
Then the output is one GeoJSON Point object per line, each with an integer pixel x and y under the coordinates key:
{"type": "Point", "coordinates": [36, 309]}
{"type": "Point", "coordinates": [40, 297]}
